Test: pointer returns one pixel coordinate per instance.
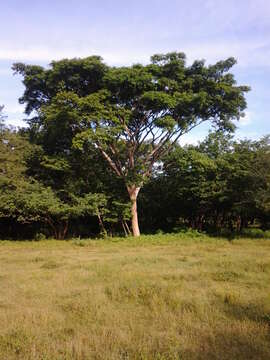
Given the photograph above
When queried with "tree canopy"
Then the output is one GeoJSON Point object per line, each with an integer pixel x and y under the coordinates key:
{"type": "Point", "coordinates": [219, 186]}
{"type": "Point", "coordinates": [132, 115]}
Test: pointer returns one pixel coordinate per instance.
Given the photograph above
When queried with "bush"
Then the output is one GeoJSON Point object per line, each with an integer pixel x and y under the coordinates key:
{"type": "Point", "coordinates": [188, 232]}
{"type": "Point", "coordinates": [40, 236]}
{"type": "Point", "coordinates": [255, 233]}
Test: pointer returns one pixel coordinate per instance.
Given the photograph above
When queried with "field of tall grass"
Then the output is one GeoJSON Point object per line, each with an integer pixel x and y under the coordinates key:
{"type": "Point", "coordinates": [156, 297]}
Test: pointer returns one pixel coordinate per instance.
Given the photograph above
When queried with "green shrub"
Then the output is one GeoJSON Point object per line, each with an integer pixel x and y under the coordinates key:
{"type": "Point", "coordinates": [254, 233]}
{"type": "Point", "coordinates": [40, 236]}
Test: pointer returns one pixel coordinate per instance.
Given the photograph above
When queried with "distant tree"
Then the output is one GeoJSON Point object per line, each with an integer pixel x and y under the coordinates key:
{"type": "Point", "coordinates": [13, 148]}
{"type": "Point", "coordinates": [132, 115]}
{"type": "Point", "coordinates": [2, 118]}
{"type": "Point", "coordinates": [31, 202]}
{"type": "Point", "coordinates": [219, 184]}
{"type": "Point", "coordinates": [25, 200]}
{"type": "Point", "coordinates": [191, 180]}
{"type": "Point", "coordinates": [259, 172]}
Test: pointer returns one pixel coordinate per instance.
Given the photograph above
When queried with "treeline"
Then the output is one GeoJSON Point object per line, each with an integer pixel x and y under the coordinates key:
{"type": "Point", "coordinates": [221, 185]}
{"type": "Point", "coordinates": [101, 152]}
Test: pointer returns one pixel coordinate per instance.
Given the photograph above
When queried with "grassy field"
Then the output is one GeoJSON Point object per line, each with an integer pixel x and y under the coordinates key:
{"type": "Point", "coordinates": [158, 297]}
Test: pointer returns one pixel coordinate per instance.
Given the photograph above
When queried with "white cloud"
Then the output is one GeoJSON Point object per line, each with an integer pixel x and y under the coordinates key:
{"type": "Point", "coordinates": [248, 53]}
{"type": "Point", "coordinates": [16, 109]}
{"type": "Point", "coordinates": [252, 135]}
{"type": "Point", "coordinates": [15, 122]}
{"type": "Point", "coordinates": [37, 54]}
{"type": "Point", "coordinates": [193, 138]}
{"type": "Point", "coordinates": [47, 54]}
{"type": "Point", "coordinates": [245, 120]}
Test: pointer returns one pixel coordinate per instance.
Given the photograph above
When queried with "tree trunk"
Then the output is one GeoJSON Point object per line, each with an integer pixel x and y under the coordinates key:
{"type": "Point", "coordinates": [65, 229]}
{"type": "Point", "coordinates": [101, 224]}
{"type": "Point", "coordinates": [133, 194]}
{"type": "Point", "coordinates": [127, 227]}
{"type": "Point", "coordinates": [124, 228]}
{"type": "Point", "coordinates": [53, 227]}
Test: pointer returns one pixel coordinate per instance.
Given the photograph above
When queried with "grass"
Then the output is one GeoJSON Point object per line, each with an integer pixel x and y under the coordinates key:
{"type": "Point", "coordinates": [157, 297]}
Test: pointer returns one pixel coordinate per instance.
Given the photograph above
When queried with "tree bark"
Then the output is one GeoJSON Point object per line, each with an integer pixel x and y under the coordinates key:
{"type": "Point", "coordinates": [101, 224]}
{"type": "Point", "coordinates": [124, 228]}
{"type": "Point", "coordinates": [127, 227]}
{"type": "Point", "coordinates": [53, 227]}
{"type": "Point", "coordinates": [133, 194]}
{"type": "Point", "coordinates": [64, 233]}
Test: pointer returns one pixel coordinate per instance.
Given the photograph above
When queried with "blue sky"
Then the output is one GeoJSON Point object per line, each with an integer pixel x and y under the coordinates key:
{"type": "Point", "coordinates": [125, 32]}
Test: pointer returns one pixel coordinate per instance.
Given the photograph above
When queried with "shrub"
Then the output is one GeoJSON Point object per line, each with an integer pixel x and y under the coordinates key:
{"type": "Point", "coordinates": [40, 236]}
{"type": "Point", "coordinates": [254, 233]}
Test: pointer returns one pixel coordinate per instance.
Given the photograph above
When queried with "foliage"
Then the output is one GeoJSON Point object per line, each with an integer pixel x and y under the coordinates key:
{"type": "Point", "coordinates": [91, 121]}
{"type": "Point", "coordinates": [219, 184]}
{"type": "Point", "coordinates": [131, 115]}
{"type": "Point", "coordinates": [26, 200]}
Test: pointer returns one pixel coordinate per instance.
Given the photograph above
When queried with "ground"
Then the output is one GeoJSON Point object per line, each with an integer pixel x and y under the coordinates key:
{"type": "Point", "coordinates": [157, 297]}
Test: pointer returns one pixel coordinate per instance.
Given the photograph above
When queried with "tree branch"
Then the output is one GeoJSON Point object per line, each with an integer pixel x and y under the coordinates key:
{"type": "Point", "coordinates": [110, 161]}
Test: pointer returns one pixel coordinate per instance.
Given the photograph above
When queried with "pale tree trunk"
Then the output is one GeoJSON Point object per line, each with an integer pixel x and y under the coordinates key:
{"type": "Point", "coordinates": [101, 224]}
{"type": "Point", "coordinates": [133, 191]}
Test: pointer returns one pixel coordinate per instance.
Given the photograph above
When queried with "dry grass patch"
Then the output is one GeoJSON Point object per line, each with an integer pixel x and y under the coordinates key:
{"type": "Point", "coordinates": [163, 297]}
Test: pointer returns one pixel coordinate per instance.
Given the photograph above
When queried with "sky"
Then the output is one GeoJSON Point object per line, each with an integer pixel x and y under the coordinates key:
{"type": "Point", "coordinates": [127, 32]}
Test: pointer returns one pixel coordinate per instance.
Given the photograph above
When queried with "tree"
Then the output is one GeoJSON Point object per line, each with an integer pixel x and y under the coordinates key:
{"type": "Point", "coordinates": [31, 202]}
{"type": "Point", "coordinates": [1, 118]}
{"type": "Point", "coordinates": [254, 184]}
{"type": "Point", "coordinates": [191, 182]}
{"type": "Point", "coordinates": [13, 148]}
{"type": "Point", "coordinates": [132, 115]}
{"type": "Point", "coordinates": [25, 200]}
{"type": "Point", "coordinates": [221, 184]}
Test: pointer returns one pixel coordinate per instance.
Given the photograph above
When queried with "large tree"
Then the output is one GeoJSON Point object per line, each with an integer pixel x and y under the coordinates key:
{"type": "Point", "coordinates": [132, 115]}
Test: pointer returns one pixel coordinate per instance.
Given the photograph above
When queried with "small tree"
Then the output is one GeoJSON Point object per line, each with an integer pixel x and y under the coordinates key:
{"type": "Point", "coordinates": [1, 118]}
{"type": "Point", "coordinates": [132, 115]}
{"type": "Point", "coordinates": [29, 202]}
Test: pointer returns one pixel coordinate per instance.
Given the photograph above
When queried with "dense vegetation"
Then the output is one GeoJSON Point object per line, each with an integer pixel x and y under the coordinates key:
{"type": "Point", "coordinates": [98, 136]}
{"type": "Point", "coordinates": [219, 186]}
